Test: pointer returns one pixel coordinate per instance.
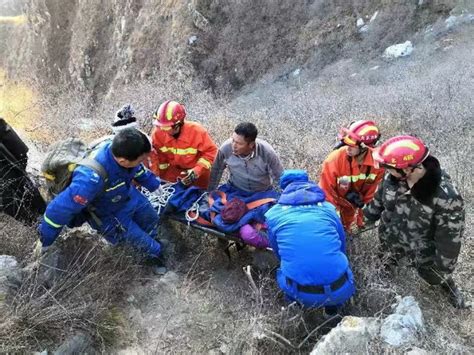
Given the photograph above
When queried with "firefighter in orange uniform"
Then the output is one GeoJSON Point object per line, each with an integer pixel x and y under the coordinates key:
{"type": "Point", "coordinates": [348, 175]}
{"type": "Point", "coordinates": [182, 150]}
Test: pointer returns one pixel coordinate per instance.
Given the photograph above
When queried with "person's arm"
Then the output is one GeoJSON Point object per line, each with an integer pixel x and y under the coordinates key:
{"type": "Point", "coordinates": [217, 170]}
{"type": "Point", "coordinates": [330, 210]}
{"type": "Point", "coordinates": [208, 151]}
{"type": "Point", "coordinates": [449, 222]}
{"type": "Point", "coordinates": [273, 162]}
{"type": "Point", "coordinates": [84, 187]}
{"type": "Point", "coordinates": [374, 209]}
{"type": "Point", "coordinates": [340, 232]}
{"type": "Point", "coordinates": [153, 159]}
{"type": "Point", "coordinates": [328, 181]}
{"type": "Point", "coordinates": [146, 178]}
{"type": "Point", "coordinates": [370, 190]}
{"type": "Point", "coordinates": [271, 232]}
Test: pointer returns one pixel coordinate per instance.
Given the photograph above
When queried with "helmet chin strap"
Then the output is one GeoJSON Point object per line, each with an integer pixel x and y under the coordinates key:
{"type": "Point", "coordinates": [178, 125]}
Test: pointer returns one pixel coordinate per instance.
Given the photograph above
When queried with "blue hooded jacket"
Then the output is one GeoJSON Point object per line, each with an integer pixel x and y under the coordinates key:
{"type": "Point", "coordinates": [307, 236]}
{"type": "Point", "coordinates": [87, 188]}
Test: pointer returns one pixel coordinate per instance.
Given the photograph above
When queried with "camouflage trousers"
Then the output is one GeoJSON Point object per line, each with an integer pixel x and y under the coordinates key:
{"type": "Point", "coordinates": [422, 261]}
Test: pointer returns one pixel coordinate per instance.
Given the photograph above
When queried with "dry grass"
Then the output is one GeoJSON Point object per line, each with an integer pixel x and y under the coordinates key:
{"type": "Point", "coordinates": [211, 305]}
{"type": "Point", "coordinates": [81, 297]}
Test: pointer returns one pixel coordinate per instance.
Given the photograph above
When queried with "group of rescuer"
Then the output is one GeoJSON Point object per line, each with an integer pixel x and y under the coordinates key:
{"type": "Point", "coordinates": [398, 183]}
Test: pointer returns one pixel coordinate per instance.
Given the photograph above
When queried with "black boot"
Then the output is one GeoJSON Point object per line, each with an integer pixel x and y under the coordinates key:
{"type": "Point", "coordinates": [157, 265]}
{"type": "Point", "coordinates": [455, 296]}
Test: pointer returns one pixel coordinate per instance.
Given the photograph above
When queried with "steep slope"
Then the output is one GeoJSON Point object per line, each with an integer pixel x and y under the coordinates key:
{"type": "Point", "coordinates": [222, 45]}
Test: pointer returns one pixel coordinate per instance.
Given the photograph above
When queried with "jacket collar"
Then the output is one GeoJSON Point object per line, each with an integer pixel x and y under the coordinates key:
{"type": "Point", "coordinates": [302, 193]}
{"type": "Point", "coordinates": [425, 189]}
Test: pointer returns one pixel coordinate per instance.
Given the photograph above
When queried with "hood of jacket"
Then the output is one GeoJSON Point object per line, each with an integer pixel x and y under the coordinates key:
{"type": "Point", "coordinates": [302, 193]}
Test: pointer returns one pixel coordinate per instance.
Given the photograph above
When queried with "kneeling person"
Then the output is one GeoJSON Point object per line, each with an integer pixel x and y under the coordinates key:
{"type": "Point", "coordinates": [308, 238]}
{"type": "Point", "coordinates": [114, 207]}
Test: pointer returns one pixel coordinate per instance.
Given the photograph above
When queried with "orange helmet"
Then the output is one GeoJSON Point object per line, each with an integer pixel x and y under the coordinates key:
{"type": "Point", "coordinates": [169, 113]}
{"type": "Point", "coordinates": [360, 133]}
{"type": "Point", "coordinates": [401, 152]}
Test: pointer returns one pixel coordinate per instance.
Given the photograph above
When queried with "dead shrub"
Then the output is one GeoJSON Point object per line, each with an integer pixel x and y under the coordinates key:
{"type": "Point", "coordinates": [89, 282]}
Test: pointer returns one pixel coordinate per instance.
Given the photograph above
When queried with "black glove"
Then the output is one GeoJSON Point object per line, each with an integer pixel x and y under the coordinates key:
{"type": "Point", "coordinates": [354, 198]}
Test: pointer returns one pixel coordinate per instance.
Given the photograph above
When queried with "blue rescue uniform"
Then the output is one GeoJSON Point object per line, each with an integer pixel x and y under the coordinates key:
{"type": "Point", "coordinates": [307, 236]}
{"type": "Point", "coordinates": [124, 214]}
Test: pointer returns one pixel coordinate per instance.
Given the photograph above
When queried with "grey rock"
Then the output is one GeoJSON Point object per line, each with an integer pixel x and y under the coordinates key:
{"type": "Point", "coordinates": [49, 270]}
{"type": "Point", "coordinates": [7, 263]}
{"type": "Point", "coordinates": [416, 351]}
{"type": "Point", "coordinates": [399, 50]}
{"type": "Point", "coordinates": [9, 274]}
{"type": "Point", "coordinates": [80, 343]}
{"type": "Point", "coordinates": [192, 40]}
{"type": "Point", "coordinates": [352, 335]}
{"type": "Point", "coordinates": [403, 326]}
{"type": "Point", "coordinates": [199, 20]}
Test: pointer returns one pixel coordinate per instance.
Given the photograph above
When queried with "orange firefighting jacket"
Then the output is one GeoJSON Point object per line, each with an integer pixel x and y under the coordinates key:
{"type": "Point", "coordinates": [193, 149]}
{"type": "Point", "coordinates": [341, 174]}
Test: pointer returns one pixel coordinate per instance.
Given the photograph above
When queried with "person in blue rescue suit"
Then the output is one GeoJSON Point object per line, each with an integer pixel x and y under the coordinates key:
{"type": "Point", "coordinates": [308, 238]}
{"type": "Point", "coordinates": [119, 211]}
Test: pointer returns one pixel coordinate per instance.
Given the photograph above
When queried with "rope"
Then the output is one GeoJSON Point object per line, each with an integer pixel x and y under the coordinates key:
{"type": "Point", "coordinates": [194, 208]}
{"type": "Point", "coordinates": [160, 197]}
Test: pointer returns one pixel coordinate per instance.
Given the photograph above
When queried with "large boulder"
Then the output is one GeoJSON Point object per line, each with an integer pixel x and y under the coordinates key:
{"type": "Point", "coordinates": [352, 336]}
{"type": "Point", "coordinates": [402, 327]}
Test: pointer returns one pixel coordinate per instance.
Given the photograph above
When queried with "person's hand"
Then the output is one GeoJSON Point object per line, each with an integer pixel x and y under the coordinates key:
{"type": "Point", "coordinates": [189, 176]}
{"type": "Point", "coordinates": [354, 198]}
{"type": "Point", "coordinates": [39, 250]}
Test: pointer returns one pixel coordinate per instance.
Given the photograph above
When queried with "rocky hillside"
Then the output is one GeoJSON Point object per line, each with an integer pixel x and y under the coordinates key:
{"type": "Point", "coordinates": [97, 46]}
{"type": "Point", "coordinates": [299, 70]}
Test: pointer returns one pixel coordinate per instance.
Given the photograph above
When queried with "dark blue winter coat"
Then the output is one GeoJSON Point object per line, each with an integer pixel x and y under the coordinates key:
{"type": "Point", "coordinates": [115, 201]}
{"type": "Point", "coordinates": [307, 236]}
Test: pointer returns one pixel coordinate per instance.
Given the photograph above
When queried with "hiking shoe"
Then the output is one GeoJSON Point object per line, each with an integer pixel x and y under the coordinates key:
{"type": "Point", "coordinates": [164, 243]}
{"type": "Point", "coordinates": [455, 296]}
{"type": "Point", "coordinates": [332, 317]}
{"type": "Point", "coordinates": [159, 270]}
{"type": "Point", "coordinates": [157, 266]}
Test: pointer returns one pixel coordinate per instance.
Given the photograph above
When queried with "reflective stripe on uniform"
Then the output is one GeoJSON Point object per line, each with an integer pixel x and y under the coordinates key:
{"type": "Point", "coordinates": [178, 151]}
{"type": "Point", "coordinates": [141, 172]}
{"type": "Point", "coordinates": [355, 178]}
{"type": "Point", "coordinates": [406, 143]}
{"type": "Point", "coordinates": [51, 223]}
{"type": "Point", "coordinates": [205, 162]}
{"type": "Point", "coordinates": [163, 166]}
{"type": "Point", "coordinates": [115, 187]}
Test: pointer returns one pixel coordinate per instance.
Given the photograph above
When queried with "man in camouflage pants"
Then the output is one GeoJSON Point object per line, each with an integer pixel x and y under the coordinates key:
{"type": "Point", "coordinates": [421, 213]}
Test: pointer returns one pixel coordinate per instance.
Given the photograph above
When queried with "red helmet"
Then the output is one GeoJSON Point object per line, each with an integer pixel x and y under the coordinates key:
{"type": "Point", "coordinates": [360, 132]}
{"type": "Point", "coordinates": [401, 152]}
{"type": "Point", "coordinates": [169, 113]}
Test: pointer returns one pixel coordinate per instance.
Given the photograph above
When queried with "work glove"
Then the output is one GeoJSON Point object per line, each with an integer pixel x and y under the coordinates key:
{"type": "Point", "coordinates": [368, 224]}
{"type": "Point", "coordinates": [354, 198]}
{"type": "Point", "coordinates": [39, 250]}
{"type": "Point", "coordinates": [47, 233]}
{"type": "Point", "coordinates": [189, 176]}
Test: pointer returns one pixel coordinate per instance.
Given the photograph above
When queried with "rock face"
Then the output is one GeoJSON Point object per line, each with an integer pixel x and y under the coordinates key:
{"type": "Point", "coordinates": [100, 46]}
{"type": "Point", "coordinates": [354, 334]}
